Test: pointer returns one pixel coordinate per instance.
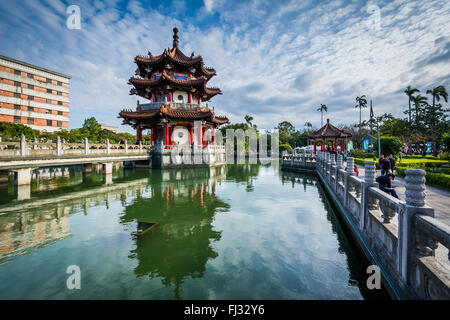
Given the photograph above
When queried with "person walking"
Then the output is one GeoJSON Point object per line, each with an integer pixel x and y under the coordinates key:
{"type": "Point", "coordinates": [392, 163]}
{"type": "Point", "coordinates": [384, 183]}
{"type": "Point", "coordinates": [385, 165]}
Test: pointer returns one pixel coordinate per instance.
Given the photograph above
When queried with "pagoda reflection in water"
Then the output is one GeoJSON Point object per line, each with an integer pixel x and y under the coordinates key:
{"type": "Point", "coordinates": [184, 204]}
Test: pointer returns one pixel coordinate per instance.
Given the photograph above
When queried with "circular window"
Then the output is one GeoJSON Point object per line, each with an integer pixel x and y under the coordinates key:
{"type": "Point", "coordinates": [180, 97]}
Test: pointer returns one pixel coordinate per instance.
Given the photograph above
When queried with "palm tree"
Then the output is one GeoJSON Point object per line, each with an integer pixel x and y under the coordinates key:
{"type": "Point", "coordinates": [322, 108]}
{"type": "Point", "coordinates": [438, 93]}
{"type": "Point", "coordinates": [249, 120]}
{"type": "Point", "coordinates": [308, 125]}
{"type": "Point", "coordinates": [409, 92]}
{"type": "Point", "coordinates": [419, 101]}
{"type": "Point", "coordinates": [362, 103]}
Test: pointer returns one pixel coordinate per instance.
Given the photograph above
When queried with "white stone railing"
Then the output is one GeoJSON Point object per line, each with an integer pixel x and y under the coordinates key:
{"type": "Point", "coordinates": [403, 234]}
{"type": "Point", "coordinates": [24, 148]}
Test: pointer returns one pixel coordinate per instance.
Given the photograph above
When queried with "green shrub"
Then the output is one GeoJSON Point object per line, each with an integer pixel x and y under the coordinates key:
{"type": "Point", "coordinates": [389, 145]}
{"type": "Point", "coordinates": [433, 179]}
{"type": "Point", "coordinates": [285, 147]}
{"type": "Point", "coordinates": [358, 153]}
{"type": "Point", "coordinates": [445, 155]}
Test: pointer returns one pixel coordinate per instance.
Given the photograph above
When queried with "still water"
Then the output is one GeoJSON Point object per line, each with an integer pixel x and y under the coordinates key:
{"type": "Point", "coordinates": [235, 232]}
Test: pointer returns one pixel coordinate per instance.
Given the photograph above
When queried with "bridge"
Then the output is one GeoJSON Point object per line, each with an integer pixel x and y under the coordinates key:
{"type": "Point", "coordinates": [403, 238]}
{"type": "Point", "coordinates": [22, 157]}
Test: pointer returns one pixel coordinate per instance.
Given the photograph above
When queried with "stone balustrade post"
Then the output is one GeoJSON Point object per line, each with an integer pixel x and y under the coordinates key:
{"type": "Point", "coordinates": [108, 146]}
{"type": "Point", "coordinates": [348, 173]}
{"type": "Point", "coordinates": [36, 141]}
{"type": "Point", "coordinates": [23, 146]}
{"type": "Point", "coordinates": [367, 203]}
{"type": "Point", "coordinates": [86, 146]}
{"type": "Point", "coordinates": [340, 158]}
{"type": "Point", "coordinates": [140, 146]}
{"type": "Point", "coordinates": [59, 149]}
{"type": "Point", "coordinates": [126, 146]}
{"type": "Point", "coordinates": [410, 241]}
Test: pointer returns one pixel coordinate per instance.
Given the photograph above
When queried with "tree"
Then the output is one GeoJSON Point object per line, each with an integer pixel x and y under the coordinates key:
{"type": "Point", "coordinates": [362, 103]}
{"type": "Point", "coordinates": [409, 92]}
{"type": "Point", "coordinates": [249, 120]}
{"type": "Point", "coordinates": [437, 93]}
{"type": "Point", "coordinates": [308, 126]}
{"type": "Point", "coordinates": [286, 130]}
{"type": "Point", "coordinates": [419, 102]}
{"type": "Point", "coordinates": [91, 126]}
{"type": "Point", "coordinates": [322, 108]}
{"type": "Point", "coordinates": [389, 145]}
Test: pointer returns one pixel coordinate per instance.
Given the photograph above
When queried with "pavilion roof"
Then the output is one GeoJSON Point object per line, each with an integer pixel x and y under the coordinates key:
{"type": "Point", "coordinates": [329, 131]}
{"type": "Point", "coordinates": [165, 80]}
{"type": "Point", "coordinates": [174, 57]}
{"type": "Point", "coordinates": [167, 112]}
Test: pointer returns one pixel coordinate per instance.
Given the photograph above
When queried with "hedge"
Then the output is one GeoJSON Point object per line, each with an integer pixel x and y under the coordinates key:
{"type": "Point", "coordinates": [433, 179]}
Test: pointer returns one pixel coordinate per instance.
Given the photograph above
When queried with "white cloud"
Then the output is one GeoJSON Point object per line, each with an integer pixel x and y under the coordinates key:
{"type": "Point", "coordinates": [275, 61]}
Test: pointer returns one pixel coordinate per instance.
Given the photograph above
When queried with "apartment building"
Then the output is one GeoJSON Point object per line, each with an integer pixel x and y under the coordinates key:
{"type": "Point", "coordinates": [33, 96]}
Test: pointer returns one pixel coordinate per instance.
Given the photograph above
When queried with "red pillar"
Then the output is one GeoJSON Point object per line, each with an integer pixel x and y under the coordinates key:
{"type": "Point", "coordinates": [190, 98]}
{"type": "Point", "coordinates": [213, 139]}
{"type": "Point", "coordinates": [192, 134]}
{"type": "Point", "coordinates": [315, 146]}
{"type": "Point", "coordinates": [139, 132]}
{"type": "Point", "coordinates": [335, 144]}
{"type": "Point", "coordinates": [153, 97]}
{"type": "Point", "coordinates": [170, 96]}
{"type": "Point", "coordinates": [167, 134]}
{"type": "Point", "coordinates": [200, 135]}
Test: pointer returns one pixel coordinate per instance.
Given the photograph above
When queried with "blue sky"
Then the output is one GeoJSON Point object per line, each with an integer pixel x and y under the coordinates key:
{"type": "Point", "coordinates": [275, 60]}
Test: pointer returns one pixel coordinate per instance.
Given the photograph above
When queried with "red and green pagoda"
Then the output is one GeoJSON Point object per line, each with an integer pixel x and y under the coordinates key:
{"type": "Point", "coordinates": [176, 87]}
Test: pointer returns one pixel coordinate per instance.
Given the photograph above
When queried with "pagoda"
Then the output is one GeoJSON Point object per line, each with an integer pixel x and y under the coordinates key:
{"type": "Point", "coordinates": [176, 87]}
{"type": "Point", "coordinates": [329, 133]}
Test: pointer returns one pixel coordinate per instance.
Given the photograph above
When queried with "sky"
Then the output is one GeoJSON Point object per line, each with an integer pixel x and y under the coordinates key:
{"type": "Point", "coordinates": [275, 60]}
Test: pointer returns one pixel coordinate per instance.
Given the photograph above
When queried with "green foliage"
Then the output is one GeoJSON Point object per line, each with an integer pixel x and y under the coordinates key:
{"type": "Point", "coordinates": [446, 141]}
{"type": "Point", "coordinates": [358, 153]}
{"type": "Point", "coordinates": [285, 147]}
{"type": "Point", "coordinates": [445, 155]}
{"type": "Point", "coordinates": [389, 145]}
{"type": "Point", "coordinates": [15, 130]}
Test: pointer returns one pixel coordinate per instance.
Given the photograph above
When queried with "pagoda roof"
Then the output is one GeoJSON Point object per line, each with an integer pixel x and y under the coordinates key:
{"type": "Point", "coordinates": [165, 79]}
{"type": "Point", "coordinates": [174, 57]}
{"type": "Point", "coordinates": [329, 131]}
{"type": "Point", "coordinates": [167, 112]}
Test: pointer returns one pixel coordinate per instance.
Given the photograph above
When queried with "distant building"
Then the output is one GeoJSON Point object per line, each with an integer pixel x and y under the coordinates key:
{"type": "Point", "coordinates": [33, 96]}
{"type": "Point", "coordinates": [110, 128]}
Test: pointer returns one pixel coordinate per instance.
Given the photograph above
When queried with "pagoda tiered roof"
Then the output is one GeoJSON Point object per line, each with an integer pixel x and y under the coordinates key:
{"type": "Point", "coordinates": [329, 131]}
{"type": "Point", "coordinates": [167, 112]}
{"type": "Point", "coordinates": [142, 86]}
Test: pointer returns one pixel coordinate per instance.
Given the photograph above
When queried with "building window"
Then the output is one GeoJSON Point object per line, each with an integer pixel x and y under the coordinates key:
{"type": "Point", "coordinates": [59, 124]}
{"type": "Point", "coordinates": [16, 95]}
{"type": "Point", "coordinates": [59, 83]}
{"type": "Point", "coordinates": [48, 111]}
{"type": "Point", "coordinates": [30, 86]}
{"type": "Point", "coordinates": [60, 103]}
{"type": "Point", "coordinates": [30, 120]}
{"type": "Point", "coordinates": [17, 107]}
{"type": "Point", "coordinates": [60, 113]}
{"type": "Point", "coordinates": [180, 98]}
{"type": "Point", "coordinates": [31, 109]}
{"type": "Point", "coordinates": [29, 75]}
{"type": "Point", "coordinates": [30, 98]}
{"type": "Point", "coordinates": [49, 90]}
{"type": "Point", "coordinates": [17, 83]}
{"type": "Point", "coordinates": [49, 123]}
{"type": "Point", "coordinates": [48, 101]}
{"type": "Point", "coordinates": [49, 80]}
{"type": "Point", "coordinates": [59, 93]}
{"type": "Point", "coordinates": [17, 72]}
{"type": "Point", "coordinates": [16, 119]}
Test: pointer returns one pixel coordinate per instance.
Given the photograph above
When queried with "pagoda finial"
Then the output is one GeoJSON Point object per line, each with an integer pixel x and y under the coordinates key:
{"type": "Point", "coordinates": [175, 37]}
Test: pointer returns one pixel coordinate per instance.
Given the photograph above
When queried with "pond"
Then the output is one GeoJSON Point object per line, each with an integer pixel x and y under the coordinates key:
{"type": "Point", "coordinates": [235, 232]}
